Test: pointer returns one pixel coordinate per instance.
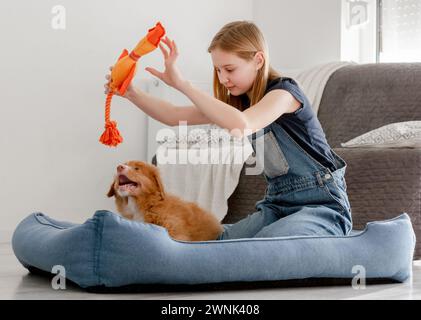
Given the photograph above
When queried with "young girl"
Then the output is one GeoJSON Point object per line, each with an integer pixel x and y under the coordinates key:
{"type": "Point", "coordinates": [306, 191]}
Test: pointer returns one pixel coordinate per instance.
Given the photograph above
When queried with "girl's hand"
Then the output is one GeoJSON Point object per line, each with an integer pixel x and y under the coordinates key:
{"type": "Point", "coordinates": [171, 76]}
{"type": "Point", "coordinates": [130, 89]}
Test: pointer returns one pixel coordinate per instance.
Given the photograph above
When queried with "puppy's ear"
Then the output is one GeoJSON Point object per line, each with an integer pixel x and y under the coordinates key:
{"type": "Point", "coordinates": [111, 192]}
{"type": "Point", "coordinates": [158, 181]}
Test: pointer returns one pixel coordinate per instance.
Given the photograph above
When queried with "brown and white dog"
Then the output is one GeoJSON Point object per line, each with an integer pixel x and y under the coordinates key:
{"type": "Point", "coordinates": [140, 195]}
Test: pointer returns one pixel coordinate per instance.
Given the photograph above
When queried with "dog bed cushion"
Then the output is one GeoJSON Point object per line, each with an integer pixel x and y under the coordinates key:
{"type": "Point", "coordinates": [110, 251]}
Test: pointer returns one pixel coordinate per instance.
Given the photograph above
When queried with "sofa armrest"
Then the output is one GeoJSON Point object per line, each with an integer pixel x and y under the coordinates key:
{"type": "Point", "coordinates": [382, 183]}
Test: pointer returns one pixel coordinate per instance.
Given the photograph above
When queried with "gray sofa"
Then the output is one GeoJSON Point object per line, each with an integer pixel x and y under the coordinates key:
{"type": "Point", "coordinates": [381, 183]}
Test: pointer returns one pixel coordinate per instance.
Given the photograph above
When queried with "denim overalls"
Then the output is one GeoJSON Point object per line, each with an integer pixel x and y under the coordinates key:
{"type": "Point", "coordinates": [302, 197]}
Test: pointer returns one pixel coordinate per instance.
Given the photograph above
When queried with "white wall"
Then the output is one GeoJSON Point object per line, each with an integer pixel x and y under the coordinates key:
{"type": "Point", "coordinates": [300, 33]}
{"type": "Point", "coordinates": [52, 99]}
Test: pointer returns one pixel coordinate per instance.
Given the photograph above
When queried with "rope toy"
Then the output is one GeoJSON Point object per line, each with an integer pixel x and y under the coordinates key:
{"type": "Point", "coordinates": [122, 74]}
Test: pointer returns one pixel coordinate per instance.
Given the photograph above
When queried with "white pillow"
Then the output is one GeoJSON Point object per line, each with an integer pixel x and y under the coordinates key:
{"type": "Point", "coordinates": [396, 135]}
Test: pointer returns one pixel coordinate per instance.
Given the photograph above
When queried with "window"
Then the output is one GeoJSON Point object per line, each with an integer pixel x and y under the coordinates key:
{"type": "Point", "coordinates": [381, 31]}
{"type": "Point", "coordinates": [399, 31]}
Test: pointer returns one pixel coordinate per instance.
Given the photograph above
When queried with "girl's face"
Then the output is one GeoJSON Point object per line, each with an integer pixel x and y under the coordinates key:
{"type": "Point", "coordinates": [235, 73]}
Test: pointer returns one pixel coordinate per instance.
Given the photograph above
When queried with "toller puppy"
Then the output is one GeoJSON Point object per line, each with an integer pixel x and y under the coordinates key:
{"type": "Point", "coordinates": [139, 195]}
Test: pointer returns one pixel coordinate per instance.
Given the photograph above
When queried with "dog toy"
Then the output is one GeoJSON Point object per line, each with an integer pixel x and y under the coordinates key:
{"type": "Point", "coordinates": [122, 74]}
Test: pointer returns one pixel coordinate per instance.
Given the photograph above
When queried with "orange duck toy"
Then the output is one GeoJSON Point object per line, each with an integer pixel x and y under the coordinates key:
{"type": "Point", "coordinates": [121, 76]}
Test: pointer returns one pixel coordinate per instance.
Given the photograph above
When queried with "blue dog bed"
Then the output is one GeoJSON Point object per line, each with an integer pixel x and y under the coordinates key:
{"type": "Point", "coordinates": [109, 251]}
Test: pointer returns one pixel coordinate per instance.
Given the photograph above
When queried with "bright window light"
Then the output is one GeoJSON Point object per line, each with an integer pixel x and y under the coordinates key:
{"type": "Point", "coordinates": [400, 30]}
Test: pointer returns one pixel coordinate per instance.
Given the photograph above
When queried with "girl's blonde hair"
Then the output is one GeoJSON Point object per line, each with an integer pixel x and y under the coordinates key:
{"type": "Point", "coordinates": [244, 39]}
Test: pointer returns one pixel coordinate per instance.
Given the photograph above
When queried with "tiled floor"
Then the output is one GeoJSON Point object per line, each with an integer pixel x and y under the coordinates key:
{"type": "Point", "coordinates": [17, 283]}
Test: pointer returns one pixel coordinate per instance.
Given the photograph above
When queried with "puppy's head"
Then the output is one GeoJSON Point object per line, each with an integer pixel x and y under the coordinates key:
{"type": "Point", "coordinates": [136, 178]}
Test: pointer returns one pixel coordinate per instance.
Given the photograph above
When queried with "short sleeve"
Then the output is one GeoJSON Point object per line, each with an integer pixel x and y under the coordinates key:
{"type": "Point", "coordinates": [292, 87]}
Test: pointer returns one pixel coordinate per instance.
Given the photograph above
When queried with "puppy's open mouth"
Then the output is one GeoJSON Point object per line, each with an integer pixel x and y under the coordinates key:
{"type": "Point", "coordinates": [126, 183]}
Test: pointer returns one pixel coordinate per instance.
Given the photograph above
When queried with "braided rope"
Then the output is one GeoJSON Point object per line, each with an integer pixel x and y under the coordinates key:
{"type": "Point", "coordinates": [111, 136]}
